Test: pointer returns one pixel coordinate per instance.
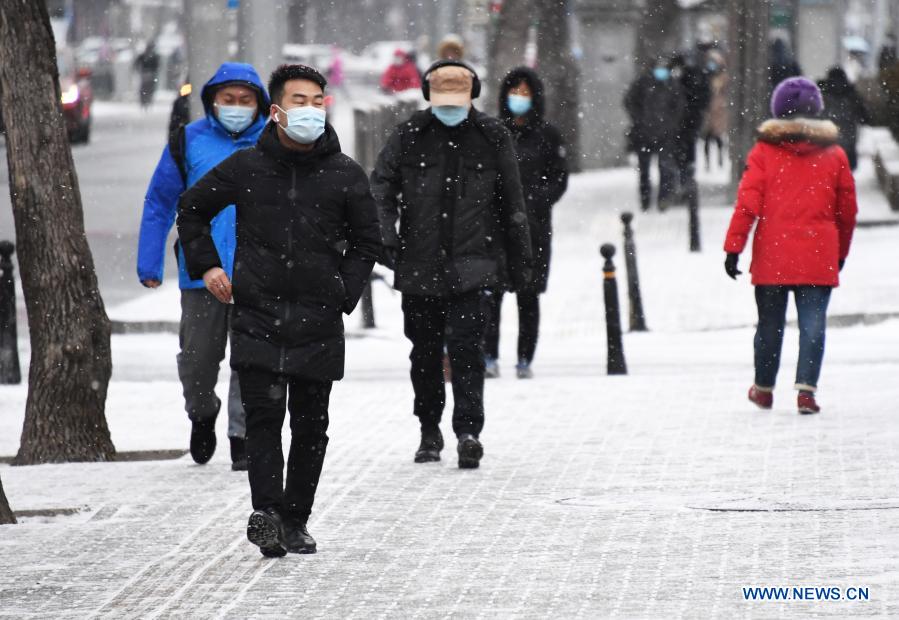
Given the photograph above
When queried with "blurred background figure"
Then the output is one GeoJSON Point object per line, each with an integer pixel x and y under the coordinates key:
{"type": "Point", "coordinates": [845, 107]}
{"type": "Point", "coordinates": [781, 63]}
{"type": "Point", "coordinates": [694, 87]}
{"type": "Point", "coordinates": [147, 66]}
{"type": "Point", "coordinates": [543, 169]}
{"type": "Point", "coordinates": [655, 106]}
{"type": "Point", "coordinates": [401, 75]}
{"type": "Point", "coordinates": [451, 47]}
{"type": "Point", "coordinates": [714, 127]}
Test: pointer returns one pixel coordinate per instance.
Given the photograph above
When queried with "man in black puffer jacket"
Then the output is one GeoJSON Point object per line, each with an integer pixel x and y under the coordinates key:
{"type": "Point", "coordinates": [544, 178]}
{"type": "Point", "coordinates": [449, 177]}
{"type": "Point", "coordinates": [307, 239]}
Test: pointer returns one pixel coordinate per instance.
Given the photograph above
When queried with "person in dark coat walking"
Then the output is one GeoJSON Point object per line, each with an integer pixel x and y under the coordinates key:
{"type": "Point", "coordinates": [694, 86]}
{"type": "Point", "coordinates": [307, 239]}
{"type": "Point", "coordinates": [147, 65]}
{"type": "Point", "coordinates": [655, 105]}
{"type": "Point", "coordinates": [844, 106]}
{"type": "Point", "coordinates": [544, 178]}
{"type": "Point", "coordinates": [449, 178]}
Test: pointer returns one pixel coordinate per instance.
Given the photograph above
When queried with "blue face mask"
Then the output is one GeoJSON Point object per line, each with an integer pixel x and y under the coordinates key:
{"type": "Point", "coordinates": [519, 105]}
{"type": "Point", "coordinates": [305, 124]}
{"type": "Point", "coordinates": [661, 73]}
{"type": "Point", "coordinates": [450, 115]}
{"type": "Point", "coordinates": [235, 118]}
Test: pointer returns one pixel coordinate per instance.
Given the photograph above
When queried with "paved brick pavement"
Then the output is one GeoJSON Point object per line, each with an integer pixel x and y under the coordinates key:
{"type": "Point", "coordinates": [655, 495]}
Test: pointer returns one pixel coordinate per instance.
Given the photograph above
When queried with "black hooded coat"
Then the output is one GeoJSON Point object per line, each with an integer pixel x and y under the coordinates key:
{"type": "Point", "coordinates": [307, 239]}
{"type": "Point", "coordinates": [845, 107]}
{"type": "Point", "coordinates": [542, 166]}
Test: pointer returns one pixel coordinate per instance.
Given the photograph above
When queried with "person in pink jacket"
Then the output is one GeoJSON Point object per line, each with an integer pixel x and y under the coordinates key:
{"type": "Point", "coordinates": [799, 192]}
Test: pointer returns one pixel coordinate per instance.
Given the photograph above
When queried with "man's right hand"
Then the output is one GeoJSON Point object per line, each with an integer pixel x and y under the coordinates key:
{"type": "Point", "coordinates": [151, 283]}
{"type": "Point", "coordinates": [217, 283]}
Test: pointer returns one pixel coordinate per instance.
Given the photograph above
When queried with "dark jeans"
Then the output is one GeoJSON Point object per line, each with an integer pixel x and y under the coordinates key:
{"type": "Point", "coordinates": [667, 173]}
{"type": "Point", "coordinates": [811, 306]}
{"type": "Point", "coordinates": [459, 321]}
{"type": "Point", "coordinates": [528, 325]}
{"type": "Point", "coordinates": [203, 335]}
{"type": "Point", "coordinates": [266, 395]}
{"type": "Point", "coordinates": [686, 159]}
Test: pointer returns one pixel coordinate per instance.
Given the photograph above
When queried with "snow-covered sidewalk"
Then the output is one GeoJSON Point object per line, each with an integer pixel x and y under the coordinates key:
{"type": "Point", "coordinates": [661, 493]}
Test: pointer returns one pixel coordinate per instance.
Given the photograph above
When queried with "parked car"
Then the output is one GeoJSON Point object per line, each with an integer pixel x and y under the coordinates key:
{"type": "Point", "coordinates": [77, 96]}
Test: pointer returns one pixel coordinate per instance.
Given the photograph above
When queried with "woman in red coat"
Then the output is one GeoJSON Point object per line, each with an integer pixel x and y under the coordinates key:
{"type": "Point", "coordinates": [799, 187]}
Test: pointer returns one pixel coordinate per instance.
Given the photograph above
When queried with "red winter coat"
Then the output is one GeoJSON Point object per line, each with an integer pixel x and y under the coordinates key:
{"type": "Point", "coordinates": [398, 78]}
{"type": "Point", "coordinates": [799, 187]}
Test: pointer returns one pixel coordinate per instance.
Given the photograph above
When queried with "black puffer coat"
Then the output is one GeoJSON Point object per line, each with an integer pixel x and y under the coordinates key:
{"type": "Point", "coordinates": [457, 196]}
{"type": "Point", "coordinates": [844, 106]}
{"type": "Point", "coordinates": [541, 164]}
{"type": "Point", "coordinates": [307, 238]}
{"type": "Point", "coordinates": [656, 109]}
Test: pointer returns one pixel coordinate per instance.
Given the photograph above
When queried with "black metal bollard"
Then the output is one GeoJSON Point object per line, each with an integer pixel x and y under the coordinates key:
{"type": "Point", "coordinates": [615, 347]}
{"type": "Point", "coordinates": [10, 372]}
{"type": "Point", "coordinates": [637, 318]}
{"type": "Point", "coordinates": [368, 307]}
{"type": "Point", "coordinates": [693, 212]}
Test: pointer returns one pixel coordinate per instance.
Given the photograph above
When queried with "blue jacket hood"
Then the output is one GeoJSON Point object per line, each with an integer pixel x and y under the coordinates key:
{"type": "Point", "coordinates": [237, 73]}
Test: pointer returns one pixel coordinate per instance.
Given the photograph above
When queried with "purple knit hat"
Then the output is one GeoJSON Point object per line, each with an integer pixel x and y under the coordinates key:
{"type": "Point", "coordinates": [796, 96]}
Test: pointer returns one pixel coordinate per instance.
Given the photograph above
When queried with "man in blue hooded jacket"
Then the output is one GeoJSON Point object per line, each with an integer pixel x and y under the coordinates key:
{"type": "Point", "coordinates": [236, 105]}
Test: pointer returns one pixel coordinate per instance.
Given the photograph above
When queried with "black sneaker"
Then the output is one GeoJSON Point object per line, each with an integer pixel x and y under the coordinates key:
{"type": "Point", "coordinates": [238, 454]}
{"type": "Point", "coordinates": [202, 440]}
{"type": "Point", "coordinates": [297, 538]}
{"type": "Point", "coordinates": [430, 446]}
{"type": "Point", "coordinates": [470, 452]}
{"type": "Point", "coordinates": [266, 531]}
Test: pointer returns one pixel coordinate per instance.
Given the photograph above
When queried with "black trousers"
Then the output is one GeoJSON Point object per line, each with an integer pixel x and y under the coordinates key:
{"type": "Point", "coordinates": [459, 321]}
{"type": "Point", "coordinates": [266, 395]}
{"type": "Point", "coordinates": [528, 325]}
{"type": "Point", "coordinates": [668, 172]}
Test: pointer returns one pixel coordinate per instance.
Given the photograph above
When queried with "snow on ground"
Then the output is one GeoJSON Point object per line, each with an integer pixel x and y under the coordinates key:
{"type": "Point", "coordinates": [598, 495]}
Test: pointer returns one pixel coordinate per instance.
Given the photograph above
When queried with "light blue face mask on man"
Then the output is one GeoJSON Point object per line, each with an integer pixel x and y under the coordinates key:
{"type": "Point", "coordinates": [661, 73]}
{"type": "Point", "coordinates": [305, 124]}
{"type": "Point", "coordinates": [235, 118]}
{"type": "Point", "coordinates": [450, 115]}
{"type": "Point", "coordinates": [519, 105]}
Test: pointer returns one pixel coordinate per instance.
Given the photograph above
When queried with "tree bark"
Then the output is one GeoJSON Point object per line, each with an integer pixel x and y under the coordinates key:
{"type": "Point", "coordinates": [507, 46]}
{"type": "Point", "coordinates": [6, 514]}
{"type": "Point", "coordinates": [70, 347]}
{"type": "Point", "coordinates": [558, 70]}
{"type": "Point", "coordinates": [749, 88]}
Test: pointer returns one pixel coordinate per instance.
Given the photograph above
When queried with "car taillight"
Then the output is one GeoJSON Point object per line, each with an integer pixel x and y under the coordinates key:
{"type": "Point", "coordinates": [70, 95]}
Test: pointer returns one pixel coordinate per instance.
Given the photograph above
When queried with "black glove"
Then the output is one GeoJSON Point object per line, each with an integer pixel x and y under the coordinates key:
{"type": "Point", "coordinates": [388, 257]}
{"type": "Point", "coordinates": [730, 265]}
{"type": "Point", "coordinates": [840, 263]}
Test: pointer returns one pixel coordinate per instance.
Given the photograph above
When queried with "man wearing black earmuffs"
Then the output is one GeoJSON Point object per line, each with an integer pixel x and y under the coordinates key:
{"type": "Point", "coordinates": [454, 224]}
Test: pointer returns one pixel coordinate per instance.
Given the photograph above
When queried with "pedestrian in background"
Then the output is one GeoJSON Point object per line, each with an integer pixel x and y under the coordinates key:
{"type": "Point", "coordinates": [845, 107]}
{"type": "Point", "coordinates": [235, 102]}
{"type": "Point", "coordinates": [694, 87]}
{"type": "Point", "coordinates": [308, 237]}
{"type": "Point", "coordinates": [147, 65]}
{"type": "Point", "coordinates": [799, 190]}
{"type": "Point", "coordinates": [543, 169]}
{"type": "Point", "coordinates": [401, 75]}
{"type": "Point", "coordinates": [451, 47]}
{"type": "Point", "coordinates": [714, 129]}
{"type": "Point", "coordinates": [460, 218]}
{"type": "Point", "coordinates": [655, 105]}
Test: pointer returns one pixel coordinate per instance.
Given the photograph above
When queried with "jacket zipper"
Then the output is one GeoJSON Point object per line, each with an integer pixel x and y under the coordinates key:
{"type": "Point", "coordinates": [293, 193]}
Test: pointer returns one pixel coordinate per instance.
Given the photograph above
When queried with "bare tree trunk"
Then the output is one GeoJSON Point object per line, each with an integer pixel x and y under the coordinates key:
{"type": "Point", "coordinates": [70, 352]}
{"type": "Point", "coordinates": [658, 33]}
{"type": "Point", "coordinates": [6, 514]}
{"type": "Point", "coordinates": [507, 46]}
{"type": "Point", "coordinates": [558, 70]}
{"type": "Point", "coordinates": [749, 88]}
